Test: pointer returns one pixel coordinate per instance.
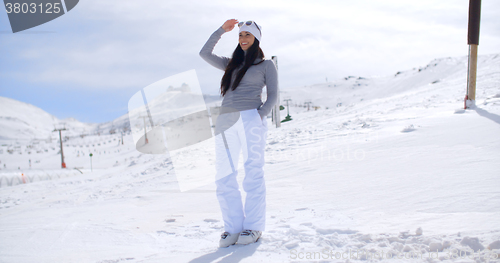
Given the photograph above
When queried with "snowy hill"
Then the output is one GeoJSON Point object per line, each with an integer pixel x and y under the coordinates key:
{"type": "Point", "coordinates": [25, 122]}
{"type": "Point", "coordinates": [352, 90]}
{"type": "Point", "coordinates": [394, 166]}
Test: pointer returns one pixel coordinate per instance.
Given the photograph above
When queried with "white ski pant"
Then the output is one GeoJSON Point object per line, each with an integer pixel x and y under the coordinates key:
{"type": "Point", "coordinates": [248, 134]}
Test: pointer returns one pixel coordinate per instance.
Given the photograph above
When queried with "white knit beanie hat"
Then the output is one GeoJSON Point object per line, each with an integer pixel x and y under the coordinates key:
{"type": "Point", "coordinates": [253, 29]}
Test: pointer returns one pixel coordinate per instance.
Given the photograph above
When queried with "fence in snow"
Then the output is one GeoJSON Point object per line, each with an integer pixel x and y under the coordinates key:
{"type": "Point", "coordinates": [25, 177]}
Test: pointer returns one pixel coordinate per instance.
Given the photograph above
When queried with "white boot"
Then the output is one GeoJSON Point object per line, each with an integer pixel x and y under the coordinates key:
{"type": "Point", "coordinates": [249, 236]}
{"type": "Point", "coordinates": [227, 239]}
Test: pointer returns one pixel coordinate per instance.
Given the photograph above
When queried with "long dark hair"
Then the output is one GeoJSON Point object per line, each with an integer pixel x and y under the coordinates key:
{"type": "Point", "coordinates": [238, 58]}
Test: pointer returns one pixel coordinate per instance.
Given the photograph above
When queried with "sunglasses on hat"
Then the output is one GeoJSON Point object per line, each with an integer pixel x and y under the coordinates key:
{"type": "Point", "coordinates": [248, 23]}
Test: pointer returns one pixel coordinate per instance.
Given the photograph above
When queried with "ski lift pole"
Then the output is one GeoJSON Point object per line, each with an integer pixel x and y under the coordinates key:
{"type": "Point", "coordinates": [276, 110]}
{"type": "Point", "coordinates": [63, 165]}
{"type": "Point", "coordinates": [149, 116]}
{"type": "Point", "coordinates": [308, 104]}
{"type": "Point", "coordinates": [473, 42]}
{"type": "Point", "coordinates": [287, 111]}
{"type": "Point", "coordinates": [145, 131]}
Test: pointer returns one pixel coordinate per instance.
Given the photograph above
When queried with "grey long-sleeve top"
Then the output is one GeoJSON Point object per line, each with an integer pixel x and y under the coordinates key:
{"type": "Point", "coordinates": [248, 93]}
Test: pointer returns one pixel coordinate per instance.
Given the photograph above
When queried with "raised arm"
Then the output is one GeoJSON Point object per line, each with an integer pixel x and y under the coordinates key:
{"type": "Point", "coordinates": [271, 79]}
{"type": "Point", "coordinates": [206, 51]}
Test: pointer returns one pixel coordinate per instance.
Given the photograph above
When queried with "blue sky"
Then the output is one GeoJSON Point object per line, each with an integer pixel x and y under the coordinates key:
{"type": "Point", "coordinates": [89, 62]}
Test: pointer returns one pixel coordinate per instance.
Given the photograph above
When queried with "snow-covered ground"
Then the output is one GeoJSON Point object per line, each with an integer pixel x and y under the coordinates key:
{"type": "Point", "coordinates": [389, 156]}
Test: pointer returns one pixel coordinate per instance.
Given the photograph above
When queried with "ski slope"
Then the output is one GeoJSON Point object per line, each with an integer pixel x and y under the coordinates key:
{"type": "Point", "coordinates": [393, 166]}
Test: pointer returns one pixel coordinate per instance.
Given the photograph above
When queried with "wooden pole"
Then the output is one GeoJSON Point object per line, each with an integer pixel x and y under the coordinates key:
{"type": "Point", "coordinates": [473, 42]}
{"type": "Point", "coordinates": [471, 85]}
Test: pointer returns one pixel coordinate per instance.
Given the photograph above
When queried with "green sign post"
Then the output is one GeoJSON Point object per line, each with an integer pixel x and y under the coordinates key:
{"type": "Point", "coordinates": [90, 161]}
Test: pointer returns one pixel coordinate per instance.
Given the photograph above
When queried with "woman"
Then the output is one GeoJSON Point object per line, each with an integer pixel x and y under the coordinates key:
{"type": "Point", "coordinates": [242, 125]}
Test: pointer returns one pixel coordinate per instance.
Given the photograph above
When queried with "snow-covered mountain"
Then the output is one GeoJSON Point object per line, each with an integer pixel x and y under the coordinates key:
{"type": "Point", "coordinates": [25, 122]}
{"type": "Point", "coordinates": [352, 90]}
{"type": "Point", "coordinates": [395, 166]}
